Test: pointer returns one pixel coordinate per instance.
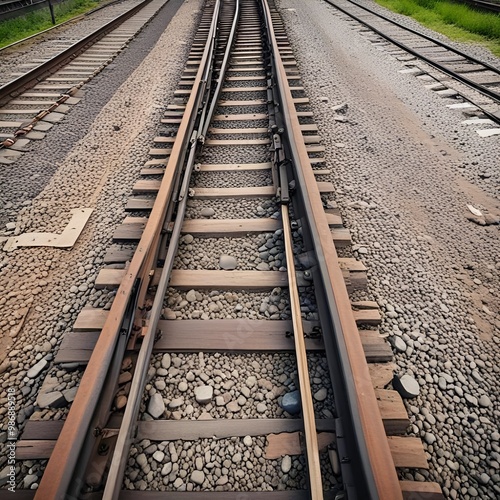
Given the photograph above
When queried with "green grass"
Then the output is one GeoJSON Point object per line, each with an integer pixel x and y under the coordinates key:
{"type": "Point", "coordinates": [457, 21]}
{"type": "Point", "coordinates": [18, 28]}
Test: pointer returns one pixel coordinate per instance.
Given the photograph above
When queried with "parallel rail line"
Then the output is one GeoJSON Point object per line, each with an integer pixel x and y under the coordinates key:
{"type": "Point", "coordinates": [31, 78]}
{"type": "Point", "coordinates": [31, 103]}
{"type": "Point", "coordinates": [241, 47]}
{"type": "Point", "coordinates": [478, 75]}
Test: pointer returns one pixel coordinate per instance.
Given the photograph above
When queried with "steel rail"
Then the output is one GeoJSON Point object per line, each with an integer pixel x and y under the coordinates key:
{"type": "Point", "coordinates": [33, 77]}
{"type": "Point", "coordinates": [222, 72]}
{"type": "Point", "coordinates": [72, 20]}
{"type": "Point", "coordinates": [312, 449]}
{"type": "Point", "coordinates": [480, 88]}
{"type": "Point", "coordinates": [368, 469]}
{"type": "Point", "coordinates": [479, 4]}
{"type": "Point", "coordinates": [127, 429]}
{"type": "Point", "coordinates": [64, 458]}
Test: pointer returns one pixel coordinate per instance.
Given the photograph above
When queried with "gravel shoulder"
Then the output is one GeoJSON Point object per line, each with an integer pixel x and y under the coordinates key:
{"type": "Point", "coordinates": [85, 161]}
{"type": "Point", "coordinates": [434, 273]}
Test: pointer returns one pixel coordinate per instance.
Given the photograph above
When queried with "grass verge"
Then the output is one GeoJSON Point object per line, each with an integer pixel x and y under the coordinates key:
{"type": "Point", "coordinates": [457, 21]}
{"type": "Point", "coordinates": [18, 28]}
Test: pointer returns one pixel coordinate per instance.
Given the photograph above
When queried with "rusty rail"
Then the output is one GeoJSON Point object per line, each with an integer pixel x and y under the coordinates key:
{"type": "Point", "coordinates": [368, 471]}
{"type": "Point", "coordinates": [33, 77]}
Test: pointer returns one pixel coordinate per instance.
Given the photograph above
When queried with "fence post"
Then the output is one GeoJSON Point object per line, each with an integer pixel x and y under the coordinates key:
{"type": "Point", "coordinates": [52, 12]}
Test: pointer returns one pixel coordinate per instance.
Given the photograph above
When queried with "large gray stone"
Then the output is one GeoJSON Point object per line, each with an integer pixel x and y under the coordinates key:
{"type": "Point", "coordinates": [198, 476]}
{"type": "Point", "coordinates": [166, 361]}
{"type": "Point", "coordinates": [406, 385]}
{"type": "Point", "coordinates": [228, 262]}
{"type": "Point", "coordinates": [36, 369]}
{"type": "Point", "coordinates": [51, 400]}
{"type": "Point", "coordinates": [156, 406]}
{"type": "Point", "coordinates": [321, 394]}
{"type": "Point", "coordinates": [207, 212]}
{"type": "Point", "coordinates": [203, 393]}
{"type": "Point", "coordinates": [484, 401]}
{"type": "Point", "coordinates": [291, 402]}
{"type": "Point", "coordinates": [286, 464]}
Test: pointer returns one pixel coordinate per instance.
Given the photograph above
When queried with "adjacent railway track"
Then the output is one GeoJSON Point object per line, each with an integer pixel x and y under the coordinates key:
{"type": "Point", "coordinates": [45, 91]}
{"type": "Point", "coordinates": [480, 76]}
{"type": "Point", "coordinates": [239, 131]}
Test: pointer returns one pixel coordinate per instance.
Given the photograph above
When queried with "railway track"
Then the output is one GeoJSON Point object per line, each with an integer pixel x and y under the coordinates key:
{"type": "Point", "coordinates": [238, 168]}
{"type": "Point", "coordinates": [44, 90]}
{"type": "Point", "coordinates": [480, 80]}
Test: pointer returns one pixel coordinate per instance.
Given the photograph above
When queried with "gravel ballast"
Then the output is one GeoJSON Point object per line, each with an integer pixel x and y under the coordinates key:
{"type": "Point", "coordinates": [405, 168]}
{"type": "Point", "coordinates": [86, 163]}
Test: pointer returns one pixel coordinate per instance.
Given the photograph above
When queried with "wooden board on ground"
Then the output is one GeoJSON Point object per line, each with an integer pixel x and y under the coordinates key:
{"type": "Point", "coordinates": [230, 167]}
{"type": "Point", "coordinates": [377, 349]}
{"type": "Point", "coordinates": [381, 374]}
{"type": "Point", "coordinates": [116, 254]}
{"type": "Point", "coordinates": [79, 218]}
{"type": "Point", "coordinates": [90, 319]}
{"type": "Point", "coordinates": [135, 203]}
{"type": "Point", "coordinates": [245, 192]}
{"type": "Point", "coordinates": [421, 490]}
{"type": "Point", "coordinates": [215, 228]}
{"type": "Point", "coordinates": [370, 317]}
{"type": "Point", "coordinates": [393, 411]}
{"type": "Point", "coordinates": [408, 452]}
{"type": "Point", "coordinates": [34, 449]}
{"type": "Point", "coordinates": [227, 280]}
{"type": "Point", "coordinates": [290, 443]}
{"type": "Point", "coordinates": [188, 430]}
{"type": "Point", "coordinates": [229, 334]}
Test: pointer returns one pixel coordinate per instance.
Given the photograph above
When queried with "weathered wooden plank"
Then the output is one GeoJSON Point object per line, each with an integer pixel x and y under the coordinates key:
{"type": "Point", "coordinates": [203, 279]}
{"type": "Point", "coordinates": [393, 411]}
{"type": "Point", "coordinates": [217, 131]}
{"type": "Point", "coordinates": [289, 443]}
{"type": "Point", "coordinates": [367, 317]}
{"type": "Point", "coordinates": [252, 102]}
{"type": "Point", "coordinates": [137, 204]}
{"type": "Point", "coordinates": [334, 221]}
{"type": "Point", "coordinates": [90, 319]}
{"type": "Point", "coordinates": [153, 171]}
{"type": "Point", "coordinates": [160, 151]}
{"type": "Point", "coordinates": [230, 167]}
{"type": "Point", "coordinates": [34, 449]}
{"type": "Point", "coordinates": [116, 254]}
{"type": "Point", "coordinates": [315, 148]}
{"type": "Point", "coordinates": [77, 347]}
{"type": "Point", "coordinates": [244, 89]}
{"type": "Point", "coordinates": [376, 349]}
{"type": "Point", "coordinates": [408, 452]}
{"type": "Point", "coordinates": [216, 335]}
{"type": "Point", "coordinates": [228, 334]}
{"type": "Point", "coordinates": [381, 374]}
{"type": "Point", "coordinates": [259, 192]}
{"type": "Point", "coordinates": [146, 186]}
{"type": "Point", "coordinates": [129, 232]}
{"type": "Point", "coordinates": [227, 280]}
{"type": "Point", "coordinates": [214, 228]}
{"type": "Point", "coordinates": [341, 236]}
{"type": "Point", "coordinates": [422, 491]}
{"type": "Point", "coordinates": [164, 140]}
{"type": "Point", "coordinates": [245, 192]}
{"type": "Point", "coordinates": [237, 142]}
{"type": "Point", "coordinates": [166, 430]}
{"type": "Point", "coordinates": [240, 116]}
